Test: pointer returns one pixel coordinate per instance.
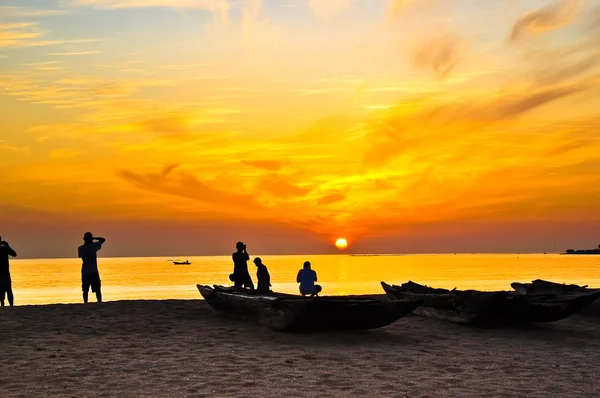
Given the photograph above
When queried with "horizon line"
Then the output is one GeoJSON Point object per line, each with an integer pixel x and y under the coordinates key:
{"type": "Point", "coordinates": [181, 256]}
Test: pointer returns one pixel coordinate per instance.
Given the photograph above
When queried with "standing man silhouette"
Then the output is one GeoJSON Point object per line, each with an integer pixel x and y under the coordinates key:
{"type": "Point", "coordinates": [89, 267]}
{"type": "Point", "coordinates": [241, 276]}
{"type": "Point", "coordinates": [5, 281]}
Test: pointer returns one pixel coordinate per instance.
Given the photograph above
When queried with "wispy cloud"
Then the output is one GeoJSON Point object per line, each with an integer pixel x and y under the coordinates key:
{"type": "Point", "coordinates": [6, 146]}
{"type": "Point", "coordinates": [75, 53]}
{"type": "Point", "coordinates": [544, 19]}
{"type": "Point", "coordinates": [218, 7]}
{"type": "Point", "coordinates": [28, 34]}
{"type": "Point", "coordinates": [30, 12]}
{"type": "Point", "coordinates": [440, 54]}
{"type": "Point", "coordinates": [178, 67]}
{"type": "Point", "coordinates": [19, 34]}
{"type": "Point", "coordinates": [272, 165]}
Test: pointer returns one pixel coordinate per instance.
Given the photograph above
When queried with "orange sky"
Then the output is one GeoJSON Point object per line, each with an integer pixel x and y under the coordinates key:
{"type": "Point", "coordinates": [180, 127]}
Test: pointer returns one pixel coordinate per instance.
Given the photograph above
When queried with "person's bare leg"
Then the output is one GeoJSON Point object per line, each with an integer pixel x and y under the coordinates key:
{"type": "Point", "coordinates": [99, 295]}
{"type": "Point", "coordinates": [85, 297]}
{"type": "Point", "coordinates": [11, 298]}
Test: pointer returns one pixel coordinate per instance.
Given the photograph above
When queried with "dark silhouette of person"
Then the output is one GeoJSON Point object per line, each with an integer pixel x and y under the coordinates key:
{"type": "Point", "coordinates": [307, 278]}
{"type": "Point", "coordinates": [90, 277]}
{"type": "Point", "coordinates": [5, 281]}
{"type": "Point", "coordinates": [241, 276]}
{"type": "Point", "coordinates": [262, 275]}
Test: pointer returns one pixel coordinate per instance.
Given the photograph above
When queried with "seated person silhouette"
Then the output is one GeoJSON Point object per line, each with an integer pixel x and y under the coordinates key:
{"type": "Point", "coordinates": [262, 274]}
{"type": "Point", "coordinates": [307, 278]}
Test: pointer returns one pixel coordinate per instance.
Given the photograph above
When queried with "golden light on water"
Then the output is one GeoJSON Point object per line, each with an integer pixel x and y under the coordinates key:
{"type": "Point", "coordinates": [341, 243]}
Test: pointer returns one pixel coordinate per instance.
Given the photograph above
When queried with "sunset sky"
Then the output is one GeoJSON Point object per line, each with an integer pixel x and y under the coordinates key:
{"type": "Point", "coordinates": [183, 126]}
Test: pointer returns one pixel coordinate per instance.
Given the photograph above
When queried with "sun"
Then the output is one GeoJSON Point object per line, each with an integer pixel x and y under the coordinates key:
{"type": "Point", "coordinates": [341, 243]}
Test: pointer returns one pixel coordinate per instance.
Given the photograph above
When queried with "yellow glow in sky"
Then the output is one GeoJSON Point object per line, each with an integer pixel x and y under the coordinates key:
{"type": "Point", "coordinates": [198, 123]}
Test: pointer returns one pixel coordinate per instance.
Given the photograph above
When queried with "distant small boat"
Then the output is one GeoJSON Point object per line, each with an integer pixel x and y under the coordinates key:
{"type": "Point", "coordinates": [288, 312]}
{"type": "Point", "coordinates": [181, 262]}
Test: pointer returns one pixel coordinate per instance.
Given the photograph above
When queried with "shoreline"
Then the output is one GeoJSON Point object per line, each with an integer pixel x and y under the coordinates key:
{"type": "Point", "coordinates": [165, 348]}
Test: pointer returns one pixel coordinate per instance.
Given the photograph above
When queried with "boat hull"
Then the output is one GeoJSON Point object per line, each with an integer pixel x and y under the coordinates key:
{"type": "Point", "coordinates": [491, 308]}
{"type": "Point", "coordinates": [462, 307]}
{"type": "Point", "coordinates": [294, 313]}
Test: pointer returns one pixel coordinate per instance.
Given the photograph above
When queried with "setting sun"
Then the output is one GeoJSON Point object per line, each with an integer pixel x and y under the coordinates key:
{"type": "Point", "coordinates": [341, 243]}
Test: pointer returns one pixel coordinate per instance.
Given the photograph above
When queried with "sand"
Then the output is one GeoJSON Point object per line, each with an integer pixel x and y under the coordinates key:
{"type": "Point", "coordinates": [180, 348]}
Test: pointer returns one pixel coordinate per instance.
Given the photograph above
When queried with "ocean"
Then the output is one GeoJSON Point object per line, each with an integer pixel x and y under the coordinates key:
{"type": "Point", "coordinates": [50, 281]}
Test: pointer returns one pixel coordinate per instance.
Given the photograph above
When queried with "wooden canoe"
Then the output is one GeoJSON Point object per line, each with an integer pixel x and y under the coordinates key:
{"type": "Point", "coordinates": [492, 308]}
{"type": "Point", "coordinates": [542, 287]}
{"type": "Point", "coordinates": [469, 307]}
{"type": "Point", "coordinates": [570, 299]}
{"type": "Point", "coordinates": [287, 312]}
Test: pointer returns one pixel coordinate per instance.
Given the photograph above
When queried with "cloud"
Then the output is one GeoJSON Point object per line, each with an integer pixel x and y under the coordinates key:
{"type": "Point", "coordinates": [28, 34]}
{"type": "Point", "coordinates": [29, 12]}
{"type": "Point", "coordinates": [440, 54]}
{"type": "Point", "coordinates": [18, 34]}
{"type": "Point", "coordinates": [272, 165]}
{"type": "Point", "coordinates": [544, 19]}
{"type": "Point", "coordinates": [332, 198]}
{"type": "Point", "coordinates": [518, 105]}
{"type": "Point", "coordinates": [74, 53]}
{"type": "Point", "coordinates": [170, 180]}
{"type": "Point", "coordinates": [451, 124]}
{"type": "Point", "coordinates": [5, 146]}
{"type": "Point", "coordinates": [219, 8]}
{"type": "Point", "coordinates": [280, 187]}
{"type": "Point", "coordinates": [326, 9]}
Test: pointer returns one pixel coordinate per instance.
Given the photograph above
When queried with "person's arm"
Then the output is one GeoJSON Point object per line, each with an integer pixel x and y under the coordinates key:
{"type": "Point", "coordinates": [100, 240]}
{"type": "Point", "coordinates": [298, 277]}
{"type": "Point", "coordinates": [9, 249]}
{"type": "Point", "coordinates": [247, 255]}
{"type": "Point", "coordinates": [315, 276]}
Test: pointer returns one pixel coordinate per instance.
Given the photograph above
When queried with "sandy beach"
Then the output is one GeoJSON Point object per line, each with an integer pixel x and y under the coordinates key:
{"type": "Point", "coordinates": [183, 348]}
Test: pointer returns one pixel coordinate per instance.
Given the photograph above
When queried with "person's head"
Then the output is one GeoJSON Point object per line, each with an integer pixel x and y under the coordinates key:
{"type": "Point", "coordinates": [257, 261]}
{"type": "Point", "coordinates": [88, 237]}
{"type": "Point", "coordinates": [240, 246]}
{"type": "Point", "coordinates": [307, 265]}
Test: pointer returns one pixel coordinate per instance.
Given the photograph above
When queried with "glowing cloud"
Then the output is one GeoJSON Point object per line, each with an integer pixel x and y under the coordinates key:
{"type": "Point", "coordinates": [547, 18]}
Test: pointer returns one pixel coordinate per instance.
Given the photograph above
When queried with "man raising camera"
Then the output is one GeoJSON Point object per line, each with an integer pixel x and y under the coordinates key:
{"type": "Point", "coordinates": [5, 281]}
{"type": "Point", "coordinates": [89, 267]}
{"type": "Point", "coordinates": [241, 276]}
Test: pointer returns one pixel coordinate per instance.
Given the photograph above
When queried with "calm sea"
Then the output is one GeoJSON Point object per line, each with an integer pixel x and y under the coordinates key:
{"type": "Point", "coordinates": [48, 281]}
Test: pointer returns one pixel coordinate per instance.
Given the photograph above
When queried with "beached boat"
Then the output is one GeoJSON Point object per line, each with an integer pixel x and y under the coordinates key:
{"type": "Point", "coordinates": [570, 298]}
{"type": "Point", "coordinates": [458, 306]}
{"type": "Point", "coordinates": [540, 286]}
{"type": "Point", "coordinates": [292, 313]}
{"type": "Point", "coordinates": [499, 308]}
